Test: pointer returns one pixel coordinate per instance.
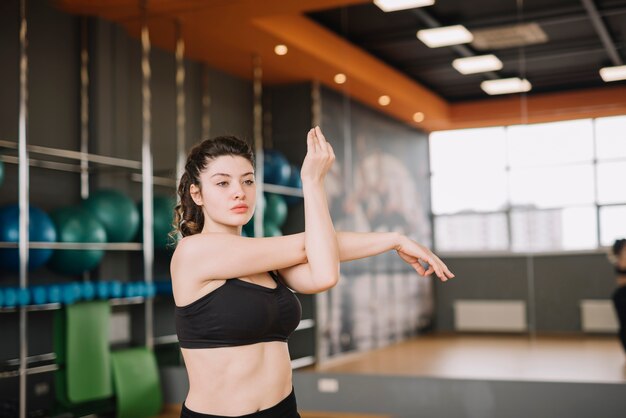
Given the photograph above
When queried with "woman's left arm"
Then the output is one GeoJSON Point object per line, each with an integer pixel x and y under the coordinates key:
{"type": "Point", "coordinates": [356, 245]}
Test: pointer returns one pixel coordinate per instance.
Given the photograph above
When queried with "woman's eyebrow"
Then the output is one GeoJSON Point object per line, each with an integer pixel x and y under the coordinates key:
{"type": "Point", "coordinates": [228, 175]}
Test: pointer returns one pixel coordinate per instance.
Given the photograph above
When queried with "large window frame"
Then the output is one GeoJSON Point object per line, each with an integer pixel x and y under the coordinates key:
{"type": "Point", "coordinates": [509, 209]}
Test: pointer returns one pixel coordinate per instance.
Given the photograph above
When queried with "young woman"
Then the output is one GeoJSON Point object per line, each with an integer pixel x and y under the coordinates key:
{"type": "Point", "coordinates": [234, 307]}
{"type": "Point", "coordinates": [619, 295]}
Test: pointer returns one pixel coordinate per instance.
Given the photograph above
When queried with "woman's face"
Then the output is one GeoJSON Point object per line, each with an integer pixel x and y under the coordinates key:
{"type": "Point", "coordinates": [621, 258]}
{"type": "Point", "coordinates": [228, 193]}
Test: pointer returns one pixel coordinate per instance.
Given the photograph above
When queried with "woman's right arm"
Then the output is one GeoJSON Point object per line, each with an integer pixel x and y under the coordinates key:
{"type": "Point", "coordinates": [227, 256]}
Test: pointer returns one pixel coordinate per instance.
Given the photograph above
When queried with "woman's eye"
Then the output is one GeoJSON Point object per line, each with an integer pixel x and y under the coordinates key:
{"type": "Point", "coordinates": [222, 183]}
{"type": "Point", "coordinates": [249, 182]}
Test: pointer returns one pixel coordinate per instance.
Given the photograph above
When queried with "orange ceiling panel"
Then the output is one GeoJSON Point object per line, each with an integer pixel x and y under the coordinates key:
{"type": "Point", "coordinates": [226, 34]}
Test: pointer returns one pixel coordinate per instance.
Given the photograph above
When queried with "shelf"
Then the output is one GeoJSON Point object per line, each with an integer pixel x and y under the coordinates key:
{"type": "Point", "coordinates": [32, 359]}
{"type": "Point", "coordinates": [74, 155]}
{"type": "Point", "coordinates": [136, 300]}
{"type": "Point", "coordinates": [289, 191]}
{"type": "Point", "coordinates": [30, 371]}
{"type": "Point", "coordinates": [76, 168]}
{"type": "Point", "coordinates": [302, 362]}
{"type": "Point", "coordinates": [109, 246]}
{"type": "Point", "coordinates": [166, 339]}
{"type": "Point", "coordinates": [305, 324]}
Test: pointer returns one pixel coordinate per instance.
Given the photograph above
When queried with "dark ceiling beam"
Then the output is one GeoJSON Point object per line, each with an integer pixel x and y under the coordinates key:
{"type": "Point", "coordinates": [602, 31]}
{"type": "Point", "coordinates": [537, 53]}
{"type": "Point", "coordinates": [398, 36]}
{"type": "Point", "coordinates": [463, 50]}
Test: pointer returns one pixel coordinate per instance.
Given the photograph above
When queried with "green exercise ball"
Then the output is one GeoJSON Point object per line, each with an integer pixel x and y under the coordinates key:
{"type": "Point", "coordinates": [275, 209]}
{"type": "Point", "coordinates": [271, 230]}
{"type": "Point", "coordinates": [76, 224]}
{"type": "Point", "coordinates": [116, 211]}
{"type": "Point", "coordinates": [163, 216]}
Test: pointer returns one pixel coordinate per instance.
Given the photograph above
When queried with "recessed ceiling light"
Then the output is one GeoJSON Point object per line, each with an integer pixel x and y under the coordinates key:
{"type": "Point", "coordinates": [280, 49]}
{"type": "Point", "coordinates": [384, 100]}
{"type": "Point", "coordinates": [418, 117]}
{"type": "Point", "coordinates": [340, 78]}
{"type": "Point", "coordinates": [479, 64]}
{"type": "Point", "coordinates": [393, 5]}
{"type": "Point", "coordinates": [613, 73]}
{"type": "Point", "coordinates": [446, 36]}
{"type": "Point", "coordinates": [505, 86]}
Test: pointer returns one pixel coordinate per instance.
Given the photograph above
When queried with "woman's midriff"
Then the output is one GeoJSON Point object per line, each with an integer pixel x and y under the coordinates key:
{"type": "Point", "coordinates": [237, 380]}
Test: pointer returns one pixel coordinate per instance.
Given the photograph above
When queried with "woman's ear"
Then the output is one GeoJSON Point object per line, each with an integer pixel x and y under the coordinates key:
{"type": "Point", "coordinates": [194, 191]}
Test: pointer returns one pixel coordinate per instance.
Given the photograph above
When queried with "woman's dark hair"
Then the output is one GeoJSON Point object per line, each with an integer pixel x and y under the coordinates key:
{"type": "Point", "coordinates": [618, 245]}
{"type": "Point", "coordinates": [188, 217]}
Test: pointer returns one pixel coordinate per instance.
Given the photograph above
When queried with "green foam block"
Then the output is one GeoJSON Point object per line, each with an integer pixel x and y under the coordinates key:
{"type": "Point", "coordinates": [82, 347]}
{"type": "Point", "coordinates": [136, 381]}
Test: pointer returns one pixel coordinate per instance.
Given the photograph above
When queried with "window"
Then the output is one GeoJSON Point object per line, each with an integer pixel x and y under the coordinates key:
{"type": "Point", "coordinates": [540, 187]}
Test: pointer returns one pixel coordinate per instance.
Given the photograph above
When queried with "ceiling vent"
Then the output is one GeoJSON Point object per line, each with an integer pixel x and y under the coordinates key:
{"type": "Point", "coordinates": [509, 36]}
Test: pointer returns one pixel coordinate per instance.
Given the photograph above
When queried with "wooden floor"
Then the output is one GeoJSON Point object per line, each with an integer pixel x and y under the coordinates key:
{"type": "Point", "coordinates": [568, 359]}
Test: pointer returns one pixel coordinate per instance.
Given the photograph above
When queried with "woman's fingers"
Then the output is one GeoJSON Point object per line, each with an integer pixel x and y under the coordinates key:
{"type": "Point", "coordinates": [309, 141]}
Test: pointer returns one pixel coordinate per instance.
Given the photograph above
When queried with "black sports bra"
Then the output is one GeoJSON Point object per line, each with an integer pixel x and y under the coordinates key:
{"type": "Point", "coordinates": [238, 313]}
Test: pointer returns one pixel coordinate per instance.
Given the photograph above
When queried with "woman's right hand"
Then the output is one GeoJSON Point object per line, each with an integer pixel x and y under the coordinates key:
{"type": "Point", "coordinates": [319, 157]}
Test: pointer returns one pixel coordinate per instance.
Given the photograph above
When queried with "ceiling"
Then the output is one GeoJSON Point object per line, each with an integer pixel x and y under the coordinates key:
{"type": "Point", "coordinates": [568, 59]}
{"type": "Point", "coordinates": [380, 53]}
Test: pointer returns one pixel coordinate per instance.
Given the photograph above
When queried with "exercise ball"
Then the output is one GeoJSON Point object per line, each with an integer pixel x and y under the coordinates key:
{"type": "Point", "coordinates": [276, 168]}
{"type": "Point", "coordinates": [75, 224]}
{"type": "Point", "coordinates": [117, 213]}
{"type": "Point", "coordinates": [40, 229]}
{"type": "Point", "coordinates": [271, 230]}
{"type": "Point", "coordinates": [295, 181]}
{"type": "Point", "coordinates": [275, 209]}
{"type": "Point", "coordinates": [1, 172]}
{"type": "Point", "coordinates": [163, 216]}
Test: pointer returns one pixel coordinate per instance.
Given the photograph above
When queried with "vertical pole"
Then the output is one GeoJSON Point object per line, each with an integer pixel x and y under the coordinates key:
{"type": "Point", "coordinates": [147, 173]}
{"type": "Point", "coordinates": [84, 111]}
{"type": "Point", "coordinates": [257, 113]}
{"type": "Point", "coordinates": [180, 101]}
{"type": "Point", "coordinates": [23, 203]}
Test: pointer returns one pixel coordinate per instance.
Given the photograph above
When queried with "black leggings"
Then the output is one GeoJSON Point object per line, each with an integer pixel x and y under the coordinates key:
{"type": "Point", "coordinates": [286, 408]}
{"type": "Point", "coordinates": [619, 300]}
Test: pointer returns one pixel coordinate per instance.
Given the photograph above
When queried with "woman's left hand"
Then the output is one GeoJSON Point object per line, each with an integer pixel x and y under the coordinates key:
{"type": "Point", "coordinates": [414, 253]}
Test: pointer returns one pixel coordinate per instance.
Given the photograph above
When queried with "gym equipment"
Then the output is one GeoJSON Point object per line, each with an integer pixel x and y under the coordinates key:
{"type": "Point", "coordinates": [23, 296]}
{"type": "Point", "coordinates": [10, 297]}
{"type": "Point", "coordinates": [89, 291]}
{"type": "Point", "coordinates": [81, 344]}
{"type": "Point", "coordinates": [1, 298]}
{"type": "Point", "coordinates": [163, 287]}
{"type": "Point", "coordinates": [54, 293]}
{"type": "Point", "coordinates": [102, 290]}
{"type": "Point", "coordinates": [275, 209]}
{"type": "Point", "coordinates": [1, 172]}
{"type": "Point", "coordinates": [117, 213]}
{"type": "Point", "coordinates": [75, 224]}
{"type": "Point", "coordinates": [295, 181]}
{"type": "Point", "coordinates": [150, 290]}
{"type": "Point", "coordinates": [130, 290]}
{"type": "Point", "coordinates": [40, 229]}
{"type": "Point", "coordinates": [137, 385]}
{"type": "Point", "coordinates": [271, 230]}
{"type": "Point", "coordinates": [163, 216]}
{"type": "Point", "coordinates": [276, 168]}
{"type": "Point", "coordinates": [116, 290]}
{"type": "Point", "coordinates": [39, 295]}
{"type": "Point", "coordinates": [71, 293]}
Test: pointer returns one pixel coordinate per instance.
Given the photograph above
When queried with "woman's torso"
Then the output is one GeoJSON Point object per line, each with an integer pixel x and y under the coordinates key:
{"type": "Point", "coordinates": [238, 379]}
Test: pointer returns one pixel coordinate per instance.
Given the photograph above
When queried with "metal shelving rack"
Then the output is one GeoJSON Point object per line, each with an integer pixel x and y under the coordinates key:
{"type": "Point", "coordinates": [140, 171]}
{"type": "Point", "coordinates": [84, 158]}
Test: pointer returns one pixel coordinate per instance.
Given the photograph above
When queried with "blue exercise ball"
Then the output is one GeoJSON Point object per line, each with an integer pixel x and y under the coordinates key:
{"type": "Point", "coordinates": [276, 168]}
{"type": "Point", "coordinates": [40, 229]}
{"type": "Point", "coordinates": [295, 181]}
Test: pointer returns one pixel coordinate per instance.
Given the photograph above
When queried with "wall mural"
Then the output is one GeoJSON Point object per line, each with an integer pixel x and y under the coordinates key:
{"type": "Point", "coordinates": [379, 182]}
